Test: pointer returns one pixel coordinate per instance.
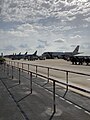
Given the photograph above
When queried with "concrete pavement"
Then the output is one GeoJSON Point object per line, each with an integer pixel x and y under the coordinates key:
{"type": "Point", "coordinates": [17, 102]}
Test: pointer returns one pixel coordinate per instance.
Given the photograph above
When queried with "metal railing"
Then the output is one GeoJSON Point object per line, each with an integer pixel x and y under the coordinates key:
{"type": "Point", "coordinates": [20, 67]}
{"type": "Point", "coordinates": [67, 72]}
{"type": "Point", "coordinates": [7, 67]}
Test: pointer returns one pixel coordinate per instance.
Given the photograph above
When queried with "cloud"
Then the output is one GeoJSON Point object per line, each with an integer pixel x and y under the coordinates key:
{"type": "Point", "coordinates": [23, 46]}
{"type": "Point", "coordinates": [40, 46]}
{"type": "Point", "coordinates": [85, 47]}
{"type": "Point", "coordinates": [22, 30]}
{"type": "Point", "coordinates": [76, 37]}
{"type": "Point", "coordinates": [9, 48]}
{"type": "Point", "coordinates": [26, 27]}
{"type": "Point", "coordinates": [44, 42]}
{"type": "Point", "coordinates": [18, 33]}
{"type": "Point", "coordinates": [87, 19]}
{"type": "Point", "coordinates": [60, 41]}
{"type": "Point", "coordinates": [64, 15]}
{"type": "Point", "coordinates": [29, 10]}
{"type": "Point", "coordinates": [41, 22]}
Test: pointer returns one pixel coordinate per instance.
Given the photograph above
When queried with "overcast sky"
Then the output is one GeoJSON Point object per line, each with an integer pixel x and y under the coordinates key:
{"type": "Point", "coordinates": [44, 25]}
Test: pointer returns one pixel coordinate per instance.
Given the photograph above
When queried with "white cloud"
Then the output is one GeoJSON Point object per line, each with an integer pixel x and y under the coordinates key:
{"type": "Point", "coordinates": [44, 42]}
{"type": "Point", "coordinates": [60, 41]}
{"type": "Point", "coordinates": [21, 31]}
{"type": "Point", "coordinates": [76, 37]}
{"type": "Point", "coordinates": [22, 10]}
{"type": "Point", "coordinates": [17, 33]}
{"type": "Point", "coordinates": [44, 20]}
{"type": "Point", "coordinates": [88, 19]}
{"type": "Point", "coordinates": [9, 48]}
{"type": "Point", "coordinates": [23, 45]}
{"type": "Point", "coordinates": [45, 14]}
{"type": "Point", "coordinates": [26, 27]}
{"type": "Point", "coordinates": [71, 18]}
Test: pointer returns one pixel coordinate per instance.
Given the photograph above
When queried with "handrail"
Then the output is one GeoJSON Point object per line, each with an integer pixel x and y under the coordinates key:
{"type": "Point", "coordinates": [53, 79]}
{"type": "Point", "coordinates": [58, 69]}
{"type": "Point", "coordinates": [49, 78]}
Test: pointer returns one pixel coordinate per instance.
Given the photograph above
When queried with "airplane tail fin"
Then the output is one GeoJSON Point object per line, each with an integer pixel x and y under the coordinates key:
{"type": "Point", "coordinates": [26, 53]}
{"type": "Point", "coordinates": [35, 52]}
{"type": "Point", "coordinates": [19, 53]}
{"type": "Point", "coordinates": [76, 50]}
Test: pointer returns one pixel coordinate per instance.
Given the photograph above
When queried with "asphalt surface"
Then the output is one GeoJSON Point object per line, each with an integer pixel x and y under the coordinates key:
{"type": "Point", "coordinates": [18, 103]}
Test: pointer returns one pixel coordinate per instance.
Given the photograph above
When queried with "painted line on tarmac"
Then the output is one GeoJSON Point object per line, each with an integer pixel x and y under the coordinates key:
{"type": "Point", "coordinates": [78, 107]}
{"type": "Point", "coordinates": [87, 112]}
{"type": "Point", "coordinates": [69, 102]}
{"type": "Point", "coordinates": [61, 98]}
{"type": "Point", "coordinates": [82, 109]}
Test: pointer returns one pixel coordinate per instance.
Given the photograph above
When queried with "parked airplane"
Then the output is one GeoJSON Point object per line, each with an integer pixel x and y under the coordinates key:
{"type": "Point", "coordinates": [64, 55]}
{"type": "Point", "coordinates": [80, 59]}
{"type": "Point", "coordinates": [31, 56]}
{"type": "Point", "coordinates": [16, 56]}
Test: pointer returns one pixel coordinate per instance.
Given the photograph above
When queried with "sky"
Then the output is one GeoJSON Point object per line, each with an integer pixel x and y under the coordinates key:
{"type": "Point", "coordinates": [44, 25]}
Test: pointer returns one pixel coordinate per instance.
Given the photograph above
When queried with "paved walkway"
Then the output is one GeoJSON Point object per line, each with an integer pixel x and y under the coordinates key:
{"type": "Point", "coordinates": [17, 102]}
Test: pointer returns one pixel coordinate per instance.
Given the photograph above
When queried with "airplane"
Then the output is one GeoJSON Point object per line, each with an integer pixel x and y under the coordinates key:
{"type": "Point", "coordinates": [19, 56]}
{"type": "Point", "coordinates": [16, 56]}
{"type": "Point", "coordinates": [31, 56]}
{"type": "Point", "coordinates": [81, 59]}
{"type": "Point", "coordinates": [64, 55]}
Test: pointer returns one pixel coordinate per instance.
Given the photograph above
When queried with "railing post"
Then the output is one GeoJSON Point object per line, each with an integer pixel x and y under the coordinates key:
{"type": "Point", "coordinates": [12, 72]}
{"type": "Point", "coordinates": [19, 76]}
{"type": "Point", "coordinates": [54, 103]}
{"type": "Point", "coordinates": [18, 64]}
{"type": "Point", "coordinates": [67, 80]}
{"type": "Point", "coordinates": [7, 70]}
{"type": "Point", "coordinates": [22, 67]}
{"type": "Point", "coordinates": [48, 74]}
{"type": "Point", "coordinates": [31, 81]}
{"type": "Point", "coordinates": [14, 63]}
{"type": "Point", "coordinates": [36, 70]}
{"type": "Point", "coordinates": [9, 62]}
{"type": "Point", "coordinates": [66, 84]}
{"type": "Point", "coordinates": [28, 68]}
{"type": "Point", "coordinates": [4, 67]}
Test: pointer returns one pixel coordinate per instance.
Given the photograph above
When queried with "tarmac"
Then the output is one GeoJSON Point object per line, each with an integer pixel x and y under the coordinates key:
{"type": "Point", "coordinates": [18, 103]}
